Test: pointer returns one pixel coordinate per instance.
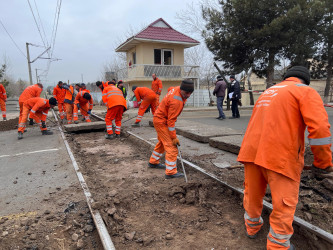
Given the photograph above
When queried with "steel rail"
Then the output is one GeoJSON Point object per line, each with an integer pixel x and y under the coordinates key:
{"type": "Point", "coordinates": [98, 220]}
{"type": "Point", "coordinates": [298, 221]}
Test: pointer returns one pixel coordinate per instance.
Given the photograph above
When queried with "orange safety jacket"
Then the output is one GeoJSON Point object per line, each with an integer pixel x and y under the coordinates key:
{"type": "Point", "coordinates": [59, 94]}
{"type": "Point", "coordinates": [113, 96]}
{"type": "Point", "coordinates": [30, 92]}
{"type": "Point", "coordinates": [142, 92]}
{"type": "Point", "coordinates": [169, 109]}
{"type": "Point", "coordinates": [156, 86]}
{"type": "Point", "coordinates": [105, 84]}
{"type": "Point", "coordinates": [69, 96]}
{"type": "Point", "coordinates": [38, 104]}
{"type": "Point", "coordinates": [3, 94]}
{"type": "Point", "coordinates": [80, 100]}
{"type": "Point", "coordinates": [274, 138]}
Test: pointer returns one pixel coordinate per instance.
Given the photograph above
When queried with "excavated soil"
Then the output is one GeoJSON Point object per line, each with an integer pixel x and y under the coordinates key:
{"type": "Point", "coordinates": [69, 228]}
{"type": "Point", "coordinates": [9, 124]}
{"type": "Point", "coordinates": [315, 195]}
{"type": "Point", "coordinates": [142, 210]}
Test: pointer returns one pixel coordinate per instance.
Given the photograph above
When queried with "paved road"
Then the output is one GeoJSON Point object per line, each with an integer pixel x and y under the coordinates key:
{"type": "Point", "coordinates": [32, 171]}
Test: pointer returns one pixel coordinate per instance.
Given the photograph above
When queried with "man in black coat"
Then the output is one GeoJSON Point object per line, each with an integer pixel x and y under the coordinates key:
{"type": "Point", "coordinates": [234, 95]}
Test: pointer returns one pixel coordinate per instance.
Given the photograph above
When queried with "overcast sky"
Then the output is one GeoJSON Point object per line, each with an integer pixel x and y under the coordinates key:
{"type": "Point", "coordinates": [87, 33]}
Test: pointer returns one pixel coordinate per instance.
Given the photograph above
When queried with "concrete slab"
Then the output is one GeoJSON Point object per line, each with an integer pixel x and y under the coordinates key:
{"type": "Point", "coordinates": [200, 132]}
{"type": "Point", "coordinates": [227, 143]}
{"type": "Point", "coordinates": [86, 126]}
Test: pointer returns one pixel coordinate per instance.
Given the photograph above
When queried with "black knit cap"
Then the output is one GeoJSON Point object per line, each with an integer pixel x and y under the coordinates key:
{"type": "Point", "coordinates": [219, 77]}
{"type": "Point", "coordinates": [87, 96]}
{"type": "Point", "coordinates": [53, 101]}
{"type": "Point", "coordinates": [134, 87]}
{"type": "Point", "coordinates": [187, 85]}
{"type": "Point", "coordinates": [98, 83]}
{"type": "Point", "coordinates": [299, 72]}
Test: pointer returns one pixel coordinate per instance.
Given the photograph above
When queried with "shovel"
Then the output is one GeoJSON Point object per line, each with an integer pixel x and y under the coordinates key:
{"type": "Point", "coordinates": [227, 165]}
{"type": "Point", "coordinates": [181, 160]}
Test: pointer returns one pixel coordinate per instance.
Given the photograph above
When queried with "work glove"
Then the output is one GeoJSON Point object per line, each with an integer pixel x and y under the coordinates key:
{"type": "Point", "coordinates": [31, 121]}
{"type": "Point", "coordinates": [78, 106]}
{"type": "Point", "coordinates": [175, 142]}
{"type": "Point", "coordinates": [43, 124]}
{"type": "Point", "coordinates": [89, 112]}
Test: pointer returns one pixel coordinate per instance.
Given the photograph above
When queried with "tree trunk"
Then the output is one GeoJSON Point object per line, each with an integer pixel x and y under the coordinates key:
{"type": "Point", "coordinates": [270, 70]}
{"type": "Point", "coordinates": [250, 86]}
{"type": "Point", "coordinates": [329, 75]}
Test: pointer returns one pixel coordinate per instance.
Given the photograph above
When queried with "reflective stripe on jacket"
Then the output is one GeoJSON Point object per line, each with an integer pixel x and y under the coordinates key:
{"type": "Point", "coordinates": [274, 138]}
{"type": "Point", "coordinates": [113, 96]}
{"type": "Point", "coordinates": [69, 96]}
{"type": "Point", "coordinates": [142, 92]}
{"type": "Point", "coordinates": [59, 94]}
{"type": "Point", "coordinates": [169, 109]}
{"type": "Point", "coordinates": [80, 100]}
{"type": "Point", "coordinates": [156, 86]}
{"type": "Point", "coordinates": [38, 104]}
{"type": "Point", "coordinates": [30, 92]}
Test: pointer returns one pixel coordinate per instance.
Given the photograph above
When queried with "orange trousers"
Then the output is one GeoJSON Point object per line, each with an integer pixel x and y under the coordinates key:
{"type": "Point", "coordinates": [62, 110]}
{"type": "Point", "coordinates": [69, 111]}
{"type": "Point", "coordinates": [24, 117]}
{"type": "Point", "coordinates": [149, 100]}
{"type": "Point", "coordinates": [157, 100]}
{"type": "Point", "coordinates": [84, 108]}
{"type": "Point", "coordinates": [165, 145]}
{"type": "Point", "coordinates": [3, 108]}
{"type": "Point", "coordinates": [114, 113]}
{"type": "Point", "coordinates": [284, 198]}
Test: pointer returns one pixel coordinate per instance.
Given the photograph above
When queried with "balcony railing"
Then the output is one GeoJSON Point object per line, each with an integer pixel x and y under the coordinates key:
{"type": "Point", "coordinates": [166, 72]}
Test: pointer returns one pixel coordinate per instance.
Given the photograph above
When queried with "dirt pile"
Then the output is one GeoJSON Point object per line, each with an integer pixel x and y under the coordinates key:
{"type": "Point", "coordinates": [143, 210]}
{"type": "Point", "coordinates": [9, 124]}
{"type": "Point", "coordinates": [71, 229]}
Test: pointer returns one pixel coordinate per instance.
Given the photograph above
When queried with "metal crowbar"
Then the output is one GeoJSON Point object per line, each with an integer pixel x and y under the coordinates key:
{"type": "Point", "coordinates": [181, 160]}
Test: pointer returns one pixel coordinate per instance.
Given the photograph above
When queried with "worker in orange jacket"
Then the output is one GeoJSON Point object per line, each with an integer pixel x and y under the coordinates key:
{"type": "Point", "coordinates": [59, 93]}
{"type": "Point", "coordinates": [273, 152]}
{"type": "Point", "coordinates": [69, 102]}
{"type": "Point", "coordinates": [164, 122]}
{"type": "Point", "coordinates": [148, 98]}
{"type": "Point", "coordinates": [36, 108]}
{"type": "Point", "coordinates": [30, 92]}
{"type": "Point", "coordinates": [116, 104]}
{"type": "Point", "coordinates": [3, 99]}
{"type": "Point", "coordinates": [84, 103]}
{"type": "Point", "coordinates": [156, 86]}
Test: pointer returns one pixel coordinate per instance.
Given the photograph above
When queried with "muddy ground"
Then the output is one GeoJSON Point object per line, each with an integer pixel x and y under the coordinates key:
{"type": "Point", "coordinates": [9, 124]}
{"type": "Point", "coordinates": [143, 210]}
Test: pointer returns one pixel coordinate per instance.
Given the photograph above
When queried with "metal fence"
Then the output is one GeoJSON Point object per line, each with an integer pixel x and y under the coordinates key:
{"type": "Point", "coordinates": [142, 71]}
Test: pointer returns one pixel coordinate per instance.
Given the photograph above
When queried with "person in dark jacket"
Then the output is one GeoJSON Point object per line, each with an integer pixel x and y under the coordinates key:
{"type": "Point", "coordinates": [120, 86]}
{"type": "Point", "coordinates": [219, 91]}
{"type": "Point", "coordinates": [235, 96]}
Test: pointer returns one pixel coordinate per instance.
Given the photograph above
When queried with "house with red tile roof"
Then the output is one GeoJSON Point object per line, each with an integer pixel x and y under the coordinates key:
{"type": "Point", "coordinates": [157, 49]}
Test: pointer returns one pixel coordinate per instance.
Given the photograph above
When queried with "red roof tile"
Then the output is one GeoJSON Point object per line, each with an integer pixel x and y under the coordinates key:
{"type": "Point", "coordinates": [164, 33]}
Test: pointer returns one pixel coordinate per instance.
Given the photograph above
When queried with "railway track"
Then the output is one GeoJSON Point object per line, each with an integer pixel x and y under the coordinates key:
{"type": "Point", "coordinates": [106, 239]}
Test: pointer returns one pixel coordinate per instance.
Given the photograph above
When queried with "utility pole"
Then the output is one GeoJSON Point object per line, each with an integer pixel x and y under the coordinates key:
{"type": "Point", "coordinates": [29, 66]}
{"type": "Point", "coordinates": [36, 76]}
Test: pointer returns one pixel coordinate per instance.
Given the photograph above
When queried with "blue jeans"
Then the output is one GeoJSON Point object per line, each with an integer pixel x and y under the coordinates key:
{"type": "Point", "coordinates": [219, 106]}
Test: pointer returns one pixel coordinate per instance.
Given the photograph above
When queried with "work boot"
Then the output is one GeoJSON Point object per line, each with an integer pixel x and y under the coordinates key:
{"type": "Point", "coordinates": [108, 136]}
{"type": "Point", "coordinates": [221, 118]}
{"type": "Point", "coordinates": [157, 166]}
{"type": "Point", "coordinates": [137, 124]}
{"type": "Point", "coordinates": [83, 119]}
{"type": "Point", "coordinates": [292, 247]}
{"type": "Point", "coordinates": [218, 118]}
{"type": "Point", "coordinates": [47, 132]}
{"type": "Point", "coordinates": [76, 122]}
{"type": "Point", "coordinates": [20, 135]}
{"type": "Point", "coordinates": [5, 119]}
{"type": "Point", "coordinates": [117, 136]}
{"type": "Point", "coordinates": [251, 236]}
{"type": "Point", "coordinates": [176, 175]}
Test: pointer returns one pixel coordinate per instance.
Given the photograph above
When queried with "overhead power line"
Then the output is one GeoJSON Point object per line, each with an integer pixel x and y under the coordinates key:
{"type": "Point", "coordinates": [12, 39]}
{"type": "Point", "coordinates": [41, 24]}
{"type": "Point", "coordinates": [32, 12]}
